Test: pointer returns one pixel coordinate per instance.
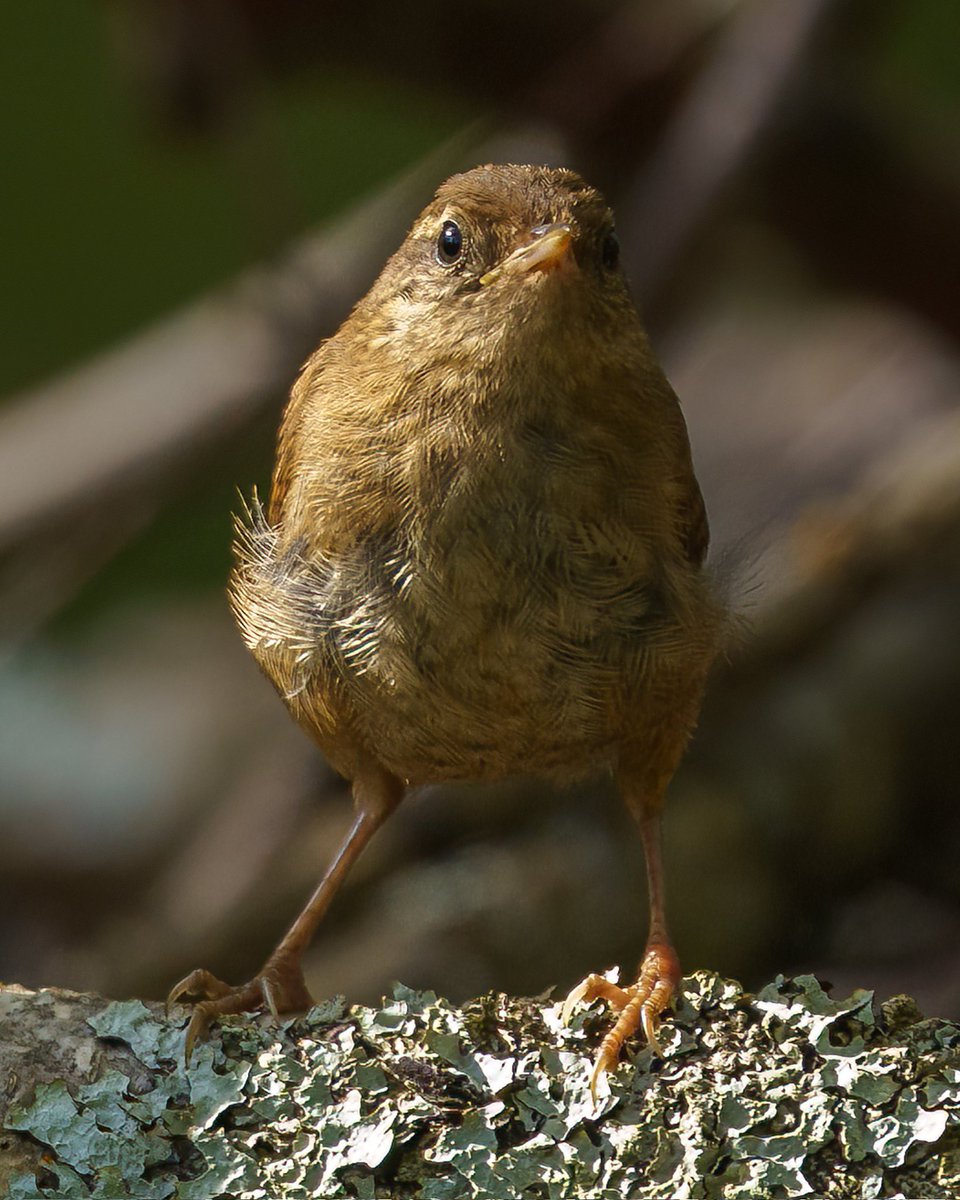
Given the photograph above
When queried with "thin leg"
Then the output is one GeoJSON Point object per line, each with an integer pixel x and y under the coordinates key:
{"type": "Point", "coordinates": [279, 985]}
{"type": "Point", "coordinates": [659, 975]}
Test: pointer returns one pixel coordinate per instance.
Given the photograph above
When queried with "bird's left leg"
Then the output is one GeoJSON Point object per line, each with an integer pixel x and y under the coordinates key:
{"type": "Point", "coordinates": [640, 1004]}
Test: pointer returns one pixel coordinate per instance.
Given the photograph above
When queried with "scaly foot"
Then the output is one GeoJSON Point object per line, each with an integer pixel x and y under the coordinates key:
{"type": "Point", "coordinates": [638, 1005]}
{"type": "Point", "coordinates": [279, 987]}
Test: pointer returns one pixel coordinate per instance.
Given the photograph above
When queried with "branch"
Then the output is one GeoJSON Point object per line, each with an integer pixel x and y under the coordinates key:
{"type": "Point", "coordinates": [784, 1094]}
{"type": "Point", "coordinates": [128, 415]}
{"type": "Point", "coordinates": [903, 517]}
{"type": "Point", "coordinates": [712, 134]}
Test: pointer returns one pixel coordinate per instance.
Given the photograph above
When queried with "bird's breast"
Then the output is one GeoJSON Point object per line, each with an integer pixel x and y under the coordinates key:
{"type": "Point", "coordinates": [488, 627]}
{"type": "Point", "coordinates": [487, 632]}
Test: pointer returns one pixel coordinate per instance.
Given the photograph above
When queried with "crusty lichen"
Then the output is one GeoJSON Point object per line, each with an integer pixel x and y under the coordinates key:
{"type": "Point", "coordinates": [786, 1093]}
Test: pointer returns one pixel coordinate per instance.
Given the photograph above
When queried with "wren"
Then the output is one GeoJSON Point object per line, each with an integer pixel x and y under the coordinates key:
{"type": "Point", "coordinates": [483, 554]}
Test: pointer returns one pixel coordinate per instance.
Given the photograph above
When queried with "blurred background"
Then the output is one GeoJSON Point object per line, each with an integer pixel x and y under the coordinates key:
{"type": "Point", "coordinates": [195, 193]}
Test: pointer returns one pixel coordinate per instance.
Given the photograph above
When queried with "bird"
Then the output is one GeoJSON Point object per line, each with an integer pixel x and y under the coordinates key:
{"type": "Point", "coordinates": [483, 554]}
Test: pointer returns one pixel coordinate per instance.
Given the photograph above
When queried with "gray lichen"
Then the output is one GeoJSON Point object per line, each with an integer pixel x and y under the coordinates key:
{"type": "Point", "coordinates": [782, 1094]}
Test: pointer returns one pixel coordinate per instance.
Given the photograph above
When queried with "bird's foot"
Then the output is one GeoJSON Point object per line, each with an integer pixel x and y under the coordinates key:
{"type": "Point", "coordinates": [279, 987]}
{"type": "Point", "coordinates": [639, 1005]}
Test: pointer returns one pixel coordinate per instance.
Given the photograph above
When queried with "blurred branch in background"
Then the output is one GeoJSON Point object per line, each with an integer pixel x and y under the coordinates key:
{"type": "Point", "coordinates": [865, 211]}
{"type": "Point", "coordinates": [706, 142]}
{"type": "Point", "coordinates": [38, 577]}
{"type": "Point", "coordinates": [134, 415]}
{"type": "Point", "coordinates": [564, 61]}
{"type": "Point", "coordinates": [180, 824]}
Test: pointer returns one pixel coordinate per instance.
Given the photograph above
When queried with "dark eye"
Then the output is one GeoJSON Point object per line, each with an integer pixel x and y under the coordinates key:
{"type": "Point", "coordinates": [449, 243]}
{"type": "Point", "coordinates": [610, 251]}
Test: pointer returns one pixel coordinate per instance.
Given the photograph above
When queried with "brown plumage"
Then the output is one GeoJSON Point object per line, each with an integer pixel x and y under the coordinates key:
{"type": "Point", "coordinates": [483, 550]}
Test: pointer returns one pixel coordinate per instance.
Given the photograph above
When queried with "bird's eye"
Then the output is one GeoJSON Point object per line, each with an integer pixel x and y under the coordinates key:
{"type": "Point", "coordinates": [449, 243]}
{"type": "Point", "coordinates": [610, 251]}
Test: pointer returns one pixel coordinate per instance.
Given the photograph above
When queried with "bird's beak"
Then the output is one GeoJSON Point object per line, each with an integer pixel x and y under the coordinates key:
{"type": "Point", "coordinates": [550, 245]}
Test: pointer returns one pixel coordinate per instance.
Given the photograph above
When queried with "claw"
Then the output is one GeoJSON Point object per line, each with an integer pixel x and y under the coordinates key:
{"type": "Point", "coordinates": [573, 999]}
{"type": "Point", "coordinates": [591, 988]}
{"type": "Point", "coordinates": [279, 987]}
{"type": "Point", "coordinates": [639, 1006]}
{"type": "Point", "coordinates": [650, 1021]}
{"type": "Point", "coordinates": [198, 1028]}
{"type": "Point", "coordinates": [599, 1072]}
{"type": "Point", "coordinates": [198, 983]}
{"type": "Point", "coordinates": [271, 1001]}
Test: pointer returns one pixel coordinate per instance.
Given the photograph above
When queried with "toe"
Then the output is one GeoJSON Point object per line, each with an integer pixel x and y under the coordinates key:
{"type": "Point", "coordinates": [248, 998]}
{"type": "Point", "coordinates": [639, 1006]}
{"type": "Point", "coordinates": [594, 987]}
{"type": "Point", "coordinates": [200, 983]}
{"type": "Point", "coordinates": [280, 987]}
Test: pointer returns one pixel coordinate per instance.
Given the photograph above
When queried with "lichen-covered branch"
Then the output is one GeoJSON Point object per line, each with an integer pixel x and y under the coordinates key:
{"type": "Point", "coordinates": [780, 1094]}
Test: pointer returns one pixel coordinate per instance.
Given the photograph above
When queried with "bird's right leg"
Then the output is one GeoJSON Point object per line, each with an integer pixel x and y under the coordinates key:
{"type": "Point", "coordinates": [279, 984]}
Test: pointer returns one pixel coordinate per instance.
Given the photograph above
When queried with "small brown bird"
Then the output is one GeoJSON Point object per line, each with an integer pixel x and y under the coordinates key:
{"type": "Point", "coordinates": [483, 552]}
